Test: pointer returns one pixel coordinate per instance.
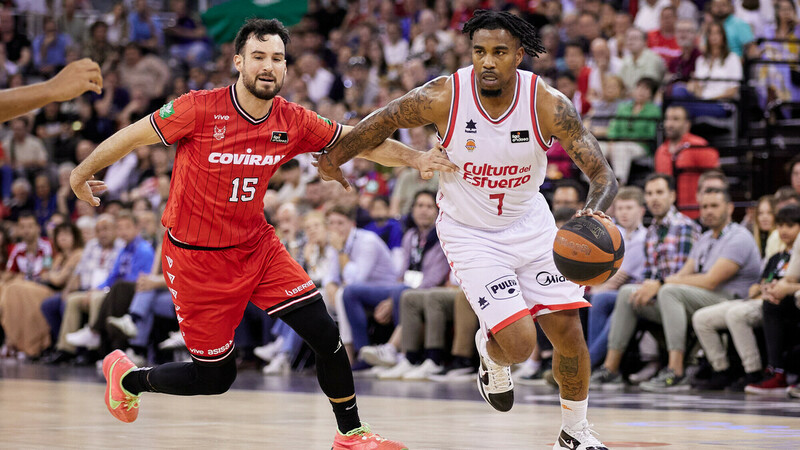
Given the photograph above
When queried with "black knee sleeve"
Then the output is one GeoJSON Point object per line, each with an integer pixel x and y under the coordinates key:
{"type": "Point", "coordinates": [194, 378]}
{"type": "Point", "coordinates": [315, 326]}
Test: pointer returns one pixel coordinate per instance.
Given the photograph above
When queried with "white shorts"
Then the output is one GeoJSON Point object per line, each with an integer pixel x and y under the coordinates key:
{"type": "Point", "coordinates": [509, 273]}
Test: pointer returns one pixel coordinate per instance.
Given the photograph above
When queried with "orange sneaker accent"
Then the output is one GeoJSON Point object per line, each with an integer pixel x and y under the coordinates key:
{"type": "Point", "coordinates": [122, 404]}
{"type": "Point", "coordinates": [363, 439]}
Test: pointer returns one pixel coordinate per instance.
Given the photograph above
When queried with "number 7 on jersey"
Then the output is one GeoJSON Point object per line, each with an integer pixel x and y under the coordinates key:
{"type": "Point", "coordinates": [499, 198]}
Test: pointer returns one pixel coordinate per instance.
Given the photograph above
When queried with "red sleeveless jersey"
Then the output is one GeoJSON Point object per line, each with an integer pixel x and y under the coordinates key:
{"type": "Point", "coordinates": [225, 159]}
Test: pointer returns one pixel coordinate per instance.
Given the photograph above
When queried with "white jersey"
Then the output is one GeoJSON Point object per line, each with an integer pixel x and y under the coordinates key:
{"type": "Point", "coordinates": [502, 162]}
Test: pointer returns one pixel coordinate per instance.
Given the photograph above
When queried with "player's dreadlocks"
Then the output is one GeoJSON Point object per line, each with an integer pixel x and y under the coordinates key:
{"type": "Point", "coordinates": [518, 27]}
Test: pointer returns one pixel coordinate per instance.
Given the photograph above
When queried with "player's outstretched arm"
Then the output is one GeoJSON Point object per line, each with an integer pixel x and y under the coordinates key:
{"type": "Point", "coordinates": [108, 152]}
{"type": "Point", "coordinates": [391, 153]}
{"type": "Point", "coordinates": [558, 118]}
{"type": "Point", "coordinates": [429, 103]}
{"type": "Point", "coordinates": [73, 80]}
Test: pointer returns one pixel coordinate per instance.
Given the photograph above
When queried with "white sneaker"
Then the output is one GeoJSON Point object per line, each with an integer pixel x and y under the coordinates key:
{"type": "Point", "coordinates": [580, 437]}
{"type": "Point", "coordinates": [125, 324]}
{"type": "Point", "coordinates": [280, 365]}
{"type": "Point", "coordinates": [136, 358]}
{"type": "Point", "coordinates": [397, 372]}
{"type": "Point", "coordinates": [494, 381]}
{"type": "Point", "coordinates": [379, 355]}
{"type": "Point", "coordinates": [647, 372]}
{"type": "Point", "coordinates": [84, 337]}
{"type": "Point", "coordinates": [175, 340]}
{"type": "Point", "coordinates": [269, 351]}
{"type": "Point", "coordinates": [423, 371]}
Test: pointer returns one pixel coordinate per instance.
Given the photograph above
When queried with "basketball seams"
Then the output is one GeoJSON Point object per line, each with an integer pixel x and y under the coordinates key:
{"type": "Point", "coordinates": [588, 250]}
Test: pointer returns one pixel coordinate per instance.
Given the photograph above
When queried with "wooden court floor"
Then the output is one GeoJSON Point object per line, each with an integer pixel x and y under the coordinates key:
{"type": "Point", "coordinates": [41, 414]}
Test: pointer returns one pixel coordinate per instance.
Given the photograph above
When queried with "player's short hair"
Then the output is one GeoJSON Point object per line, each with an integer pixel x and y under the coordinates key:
{"type": "Point", "coordinates": [788, 215]}
{"type": "Point", "coordinates": [661, 176]}
{"type": "Point", "coordinates": [503, 20]}
{"type": "Point", "coordinates": [259, 28]}
{"type": "Point", "coordinates": [634, 193]}
{"type": "Point", "coordinates": [342, 210]}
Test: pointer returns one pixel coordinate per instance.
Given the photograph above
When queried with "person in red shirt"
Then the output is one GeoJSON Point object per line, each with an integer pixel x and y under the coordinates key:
{"type": "Point", "coordinates": [663, 40]}
{"type": "Point", "coordinates": [218, 252]}
{"type": "Point", "coordinates": [684, 156]}
{"type": "Point", "coordinates": [575, 59]}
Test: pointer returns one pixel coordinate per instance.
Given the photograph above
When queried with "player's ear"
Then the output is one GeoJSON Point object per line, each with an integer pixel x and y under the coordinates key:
{"type": "Point", "coordinates": [520, 54]}
{"type": "Point", "coordinates": [237, 61]}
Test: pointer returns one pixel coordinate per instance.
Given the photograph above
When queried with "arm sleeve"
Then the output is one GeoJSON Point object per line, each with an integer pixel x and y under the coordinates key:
{"type": "Point", "coordinates": [176, 119]}
{"type": "Point", "coordinates": [316, 132]}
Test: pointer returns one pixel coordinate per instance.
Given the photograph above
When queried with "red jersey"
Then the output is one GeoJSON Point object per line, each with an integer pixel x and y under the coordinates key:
{"type": "Point", "coordinates": [694, 156]}
{"type": "Point", "coordinates": [225, 159]}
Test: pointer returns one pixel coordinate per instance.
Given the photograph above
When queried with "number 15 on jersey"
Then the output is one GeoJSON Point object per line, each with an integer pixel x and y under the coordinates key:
{"type": "Point", "coordinates": [248, 189]}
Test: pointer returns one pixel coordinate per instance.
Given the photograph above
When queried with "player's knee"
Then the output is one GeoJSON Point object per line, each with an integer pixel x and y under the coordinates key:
{"type": "Point", "coordinates": [217, 379]}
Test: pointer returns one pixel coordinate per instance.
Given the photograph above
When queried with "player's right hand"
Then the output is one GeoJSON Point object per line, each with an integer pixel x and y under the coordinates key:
{"type": "Point", "coordinates": [85, 189]}
{"type": "Point", "coordinates": [329, 171]}
{"type": "Point", "coordinates": [75, 79]}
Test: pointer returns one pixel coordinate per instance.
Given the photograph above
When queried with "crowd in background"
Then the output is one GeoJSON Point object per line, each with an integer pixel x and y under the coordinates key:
{"type": "Point", "coordinates": [80, 280]}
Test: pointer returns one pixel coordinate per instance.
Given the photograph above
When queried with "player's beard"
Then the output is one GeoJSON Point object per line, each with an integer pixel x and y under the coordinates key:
{"type": "Point", "coordinates": [262, 93]}
{"type": "Point", "coordinates": [491, 92]}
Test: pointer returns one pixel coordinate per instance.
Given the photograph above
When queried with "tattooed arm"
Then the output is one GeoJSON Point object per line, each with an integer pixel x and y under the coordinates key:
{"type": "Point", "coordinates": [562, 122]}
{"type": "Point", "coordinates": [426, 104]}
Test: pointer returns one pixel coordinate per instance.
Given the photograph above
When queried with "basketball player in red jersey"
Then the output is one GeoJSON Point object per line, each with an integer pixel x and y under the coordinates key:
{"type": "Point", "coordinates": [218, 250]}
{"type": "Point", "coordinates": [496, 123]}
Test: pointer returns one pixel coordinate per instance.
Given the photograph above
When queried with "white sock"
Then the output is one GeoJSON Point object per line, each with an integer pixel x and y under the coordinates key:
{"type": "Point", "coordinates": [573, 412]}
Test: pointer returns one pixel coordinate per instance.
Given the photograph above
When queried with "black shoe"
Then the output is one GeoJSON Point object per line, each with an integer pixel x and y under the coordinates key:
{"type": "Point", "coordinates": [58, 357]}
{"type": "Point", "coordinates": [494, 381]}
{"type": "Point", "coordinates": [87, 358]}
{"type": "Point", "coordinates": [741, 383]}
{"type": "Point", "coordinates": [717, 382]}
{"type": "Point", "coordinates": [579, 438]}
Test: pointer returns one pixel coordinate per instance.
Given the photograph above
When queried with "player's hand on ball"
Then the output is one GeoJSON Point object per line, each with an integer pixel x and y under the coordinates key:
{"type": "Point", "coordinates": [432, 161]}
{"type": "Point", "coordinates": [329, 171]}
{"type": "Point", "coordinates": [591, 212]}
{"type": "Point", "coordinates": [85, 189]}
{"type": "Point", "coordinates": [75, 79]}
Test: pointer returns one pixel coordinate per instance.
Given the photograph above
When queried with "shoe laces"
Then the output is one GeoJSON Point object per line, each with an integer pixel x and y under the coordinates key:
{"type": "Point", "coordinates": [364, 432]}
{"type": "Point", "coordinates": [131, 401]}
{"type": "Point", "coordinates": [499, 376]}
{"type": "Point", "coordinates": [585, 434]}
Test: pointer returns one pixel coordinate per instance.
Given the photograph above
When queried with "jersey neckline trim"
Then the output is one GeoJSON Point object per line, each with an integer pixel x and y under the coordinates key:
{"type": "Point", "coordinates": [243, 113]}
{"type": "Point", "coordinates": [483, 112]}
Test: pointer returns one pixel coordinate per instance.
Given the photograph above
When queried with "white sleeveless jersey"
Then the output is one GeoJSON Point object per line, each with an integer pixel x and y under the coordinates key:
{"type": "Point", "coordinates": [502, 161]}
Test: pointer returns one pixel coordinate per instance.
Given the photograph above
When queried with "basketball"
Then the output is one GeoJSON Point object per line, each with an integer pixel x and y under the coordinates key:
{"type": "Point", "coordinates": [588, 250]}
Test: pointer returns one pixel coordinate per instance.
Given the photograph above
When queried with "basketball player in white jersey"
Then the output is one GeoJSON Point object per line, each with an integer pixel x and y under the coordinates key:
{"type": "Point", "coordinates": [496, 122]}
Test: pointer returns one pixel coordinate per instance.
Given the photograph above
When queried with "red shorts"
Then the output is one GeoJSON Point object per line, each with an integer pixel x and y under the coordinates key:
{"type": "Point", "coordinates": [211, 288]}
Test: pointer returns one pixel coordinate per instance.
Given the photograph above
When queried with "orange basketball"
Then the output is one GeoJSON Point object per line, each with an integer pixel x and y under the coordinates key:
{"type": "Point", "coordinates": [588, 250]}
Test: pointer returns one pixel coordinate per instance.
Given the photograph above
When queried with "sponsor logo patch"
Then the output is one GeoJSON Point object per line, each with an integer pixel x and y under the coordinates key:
{"type": "Point", "coordinates": [504, 288]}
{"type": "Point", "coordinates": [470, 145]}
{"type": "Point", "coordinates": [280, 137]}
{"type": "Point", "coordinates": [547, 278]}
{"type": "Point", "coordinates": [482, 302]}
{"type": "Point", "coordinates": [471, 128]}
{"type": "Point", "coordinates": [221, 117]}
{"type": "Point", "coordinates": [520, 136]}
{"type": "Point", "coordinates": [219, 132]}
{"type": "Point", "coordinates": [166, 110]}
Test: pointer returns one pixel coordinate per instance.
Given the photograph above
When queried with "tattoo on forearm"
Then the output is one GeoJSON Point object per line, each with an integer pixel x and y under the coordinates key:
{"type": "Point", "coordinates": [408, 111]}
{"type": "Point", "coordinates": [572, 385]}
{"type": "Point", "coordinates": [583, 148]}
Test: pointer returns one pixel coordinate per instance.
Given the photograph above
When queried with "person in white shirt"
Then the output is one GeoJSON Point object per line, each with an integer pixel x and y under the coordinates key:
{"type": "Point", "coordinates": [647, 17]}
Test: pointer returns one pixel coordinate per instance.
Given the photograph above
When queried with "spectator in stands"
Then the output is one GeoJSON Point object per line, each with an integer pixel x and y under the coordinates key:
{"type": "Point", "coordinates": [148, 73]}
{"type": "Point", "coordinates": [605, 107]}
{"type": "Point", "coordinates": [741, 316]}
{"type": "Point", "coordinates": [388, 229]}
{"type": "Point", "coordinates": [617, 42]}
{"type": "Point", "coordinates": [5, 249]}
{"type": "Point", "coordinates": [293, 187]}
{"type": "Point", "coordinates": [32, 255]}
{"type": "Point", "coordinates": [641, 62]}
{"type": "Point", "coordinates": [764, 223]}
{"type": "Point", "coordinates": [17, 45]}
{"type": "Point", "coordinates": [359, 257]}
{"type": "Point", "coordinates": [663, 40]}
{"type": "Point", "coordinates": [134, 259]}
{"type": "Point", "coordinates": [98, 46]}
{"type": "Point", "coordinates": [50, 49]}
{"type": "Point", "coordinates": [722, 266]}
{"type": "Point", "coordinates": [24, 152]}
{"type": "Point", "coordinates": [781, 318]}
{"type": "Point", "coordinates": [682, 67]}
{"type": "Point", "coordinates": [568, 194]}
{"type": "Point", "coordinates": [21, 199]}
{"type": "Point", "coordinates": [187, 36]}
{"type": "Point", "coordinates": [670, 238]}
{"type": "Point", "coordinates": [717, 75]}
{"type": "Point", "coordinates": [775, 81]}
{"type": "Point", "coordinates": [118, 25]}
{"type": "Point", "coordinates": [72, 24]}
{"type": "Point", "coordinates": [575, 60]}
{"type": "Point", "coordinates": [395, 47]}
{"type": "Point", "coordinates": [602, 65]}
{"type": "Point", "coordinates": [684, 156]}
{"type": "Point", "coordinates": [142, 26]}
{"type": "Point", "coordinates": [637, 120]}
{"type": "Point", "coordinates": [428, 26]}
{"type": "Point", "coordinates": [24, 325]}
{"type": "Point", "coordinates": [685, 9]}
{"type": "Point", "coordinates": [739, 35]}
{"type": "Point", "coordinates": [648, 14]}
{"type": "Point", "coordinates": [629, 211]}
{"type": "Point", "coordinates": [44, 200]}
{"type": "Point", "coordinates": [318, 80]}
